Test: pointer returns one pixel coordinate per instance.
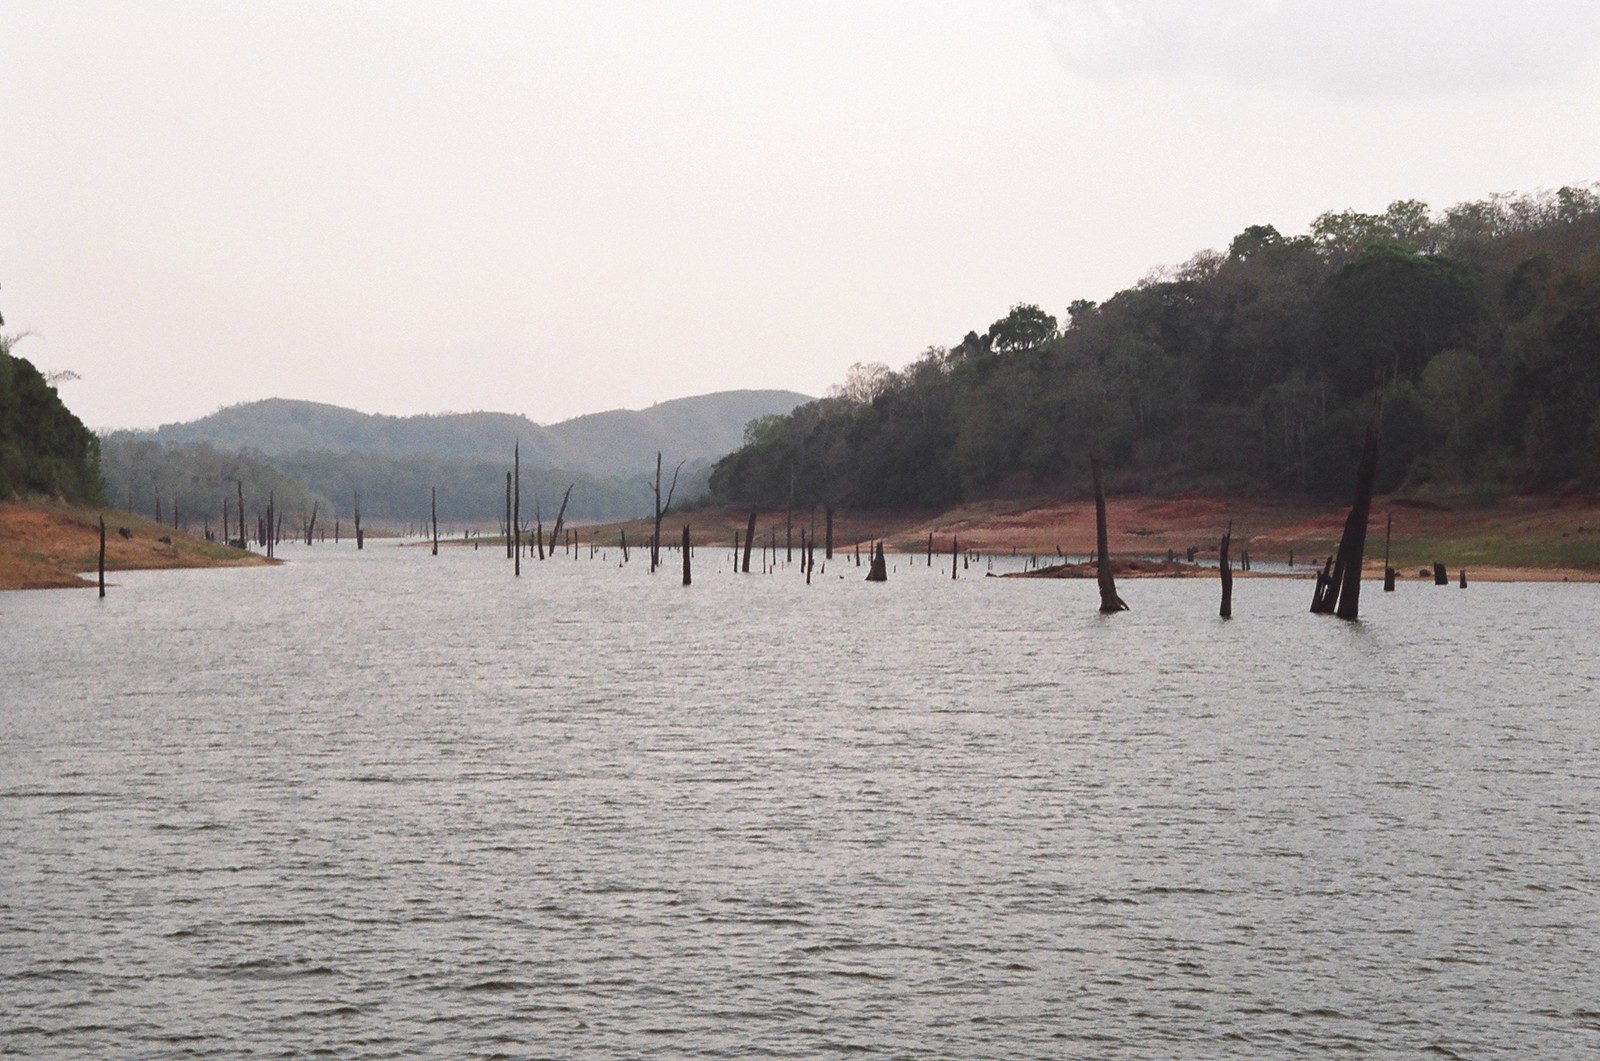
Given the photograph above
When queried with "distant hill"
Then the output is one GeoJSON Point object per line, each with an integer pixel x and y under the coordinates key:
{"type": "Point", "coordinates": [309, 453]}
{"type": "Point", "coordinates": [619, 442]}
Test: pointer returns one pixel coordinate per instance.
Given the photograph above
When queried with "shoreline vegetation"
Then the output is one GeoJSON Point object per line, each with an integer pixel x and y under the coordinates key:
{"type": "Point", "coordinates": [47, 545]}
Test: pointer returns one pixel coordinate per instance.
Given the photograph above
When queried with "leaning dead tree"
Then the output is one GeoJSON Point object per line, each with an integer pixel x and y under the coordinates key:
{"type": "Point", "coordinates": [1110, 603]}
{"type": "Point", "coordinates": [1339, 593]}
{"type": "Point", "coordinates": [661, 511]}
{"type": "Point", "coordinates": [561, 518]}
{"type": "Point", "coordinates": [749, 537]}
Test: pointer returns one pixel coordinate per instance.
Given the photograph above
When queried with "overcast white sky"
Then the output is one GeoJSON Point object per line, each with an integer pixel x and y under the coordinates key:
{"type": "Point", "coordinates": [558, 208]}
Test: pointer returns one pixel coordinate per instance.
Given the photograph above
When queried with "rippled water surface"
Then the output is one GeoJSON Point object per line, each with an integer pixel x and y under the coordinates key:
{"type": "Point", "coordinates": [381, 804]}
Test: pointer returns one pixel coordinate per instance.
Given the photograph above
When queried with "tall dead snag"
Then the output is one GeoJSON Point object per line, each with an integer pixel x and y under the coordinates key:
{"type": "Point", "coordinates": [516, 509]}
{"type": "Point", "coordinates": [1227, 573]}
{"type": "Point", "coordinates": [361, 539]}
{"type": "Point", "coordinates": [312, 525]}
{"type": "Point", "coordinates": [433, 514]}
{"type": "Point", "coordinates": [1388, 570]}
{"type": "Point", "coordinates": [102, 556]}
{"type": "Point", "coordinates": [1340, 594]}
{"type": "Point", "coordinates": [1110, 603]}
{"type": "Point", "coordinates": [686, 579]}
{"type": "Point", "coordinates": [879, 571]}
{"type": "Point", "coordinates": [624, 546]}
{"type": "Point", "coordinates": [955, 556]}
{"type": "Point", "coordinates": [749, 539]}
{"type": "Point", "coordinates": [661, 511]}
{"type": "Point", "coordinates": [827, 520]}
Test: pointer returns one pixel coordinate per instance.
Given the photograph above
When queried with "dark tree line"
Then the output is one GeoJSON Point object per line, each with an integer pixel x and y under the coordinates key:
{"type": "Point", "coordinates": [44, 448]}
{"type": "Point", "coordinates": [1247, 370]}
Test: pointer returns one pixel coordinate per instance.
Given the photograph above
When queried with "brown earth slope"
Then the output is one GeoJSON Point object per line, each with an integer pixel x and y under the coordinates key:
{"type": "Point", "coordinates": [1524, 538]}
{"type": "Point", "coordinates": [46, 545]}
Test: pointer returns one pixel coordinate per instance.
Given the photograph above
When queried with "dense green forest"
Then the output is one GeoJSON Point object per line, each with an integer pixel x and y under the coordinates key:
{"type": "Point", "coordinates": [44, 449]}
{"type": "Point", "coordinates": [1250, 370]}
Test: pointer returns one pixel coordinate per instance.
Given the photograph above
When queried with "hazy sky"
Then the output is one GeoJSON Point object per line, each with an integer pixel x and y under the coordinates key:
{"type": "Point", "coordinates": [558, 208]}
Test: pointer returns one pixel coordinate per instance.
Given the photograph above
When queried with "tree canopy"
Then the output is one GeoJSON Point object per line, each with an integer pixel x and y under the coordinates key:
{"type": "Point", "coordinates": [44, 448]}
{"type": "Point", "coordinates": [1252, 370]}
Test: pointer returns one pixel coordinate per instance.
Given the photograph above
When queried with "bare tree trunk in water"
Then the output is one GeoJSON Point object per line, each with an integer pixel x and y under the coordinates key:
{"type": "Point", "coordinates": [1341, 594]}
{"type": "Point", "coordinates": [1110, 603]}
{"type": "Point", "coordinates": [661, 511]}
{"type": "Point", "coordinates": [749, 539]}
{"type": "Point", "coordinates": [561, 518]}
{"type": "Point", "coordinates": [879, 571]}
{"type": "Point", "coordinates": [1227, 574]}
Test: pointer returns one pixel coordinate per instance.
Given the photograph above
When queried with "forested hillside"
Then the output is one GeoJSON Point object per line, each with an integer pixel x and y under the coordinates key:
{"type": "Point", "coordinates": [618, 442]}
{"type": "Point", "coordinates": [1252, 369]}
{"type": "Point", "coordinates": [309, 454]}
{"type": "Point", "coordinates": [44, 449]}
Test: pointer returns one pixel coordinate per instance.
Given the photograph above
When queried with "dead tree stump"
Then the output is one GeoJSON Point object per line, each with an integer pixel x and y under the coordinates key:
{"type": "Point", "coordinates": [879, 571]}
{"type": "Point", "coordinates": [1340, 594]}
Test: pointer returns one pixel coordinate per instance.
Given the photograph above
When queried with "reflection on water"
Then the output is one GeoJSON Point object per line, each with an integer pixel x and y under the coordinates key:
{"type": "Point", "coordinates": [381, 804]}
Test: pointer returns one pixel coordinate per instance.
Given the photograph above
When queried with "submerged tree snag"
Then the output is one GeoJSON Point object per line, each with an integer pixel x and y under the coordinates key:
{"type": "Point", "coordinates": [1227, 573]}
{"type": "Point", "coordinates": [879, 571]}
{"type": "Point", "coordinates": [749, 539]}
{"type": "Point", "coordinates": [1110, 603]}
{"type": "Point", "coordinates": [1340, 593]}
{"type": "Point", "coordinates": [561, 519]}
{"type": "Point", "coordinates": [661, 511]}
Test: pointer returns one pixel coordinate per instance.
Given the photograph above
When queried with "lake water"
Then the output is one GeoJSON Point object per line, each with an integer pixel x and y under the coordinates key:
{"type": "Point", "coordinates": [382, 804]}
